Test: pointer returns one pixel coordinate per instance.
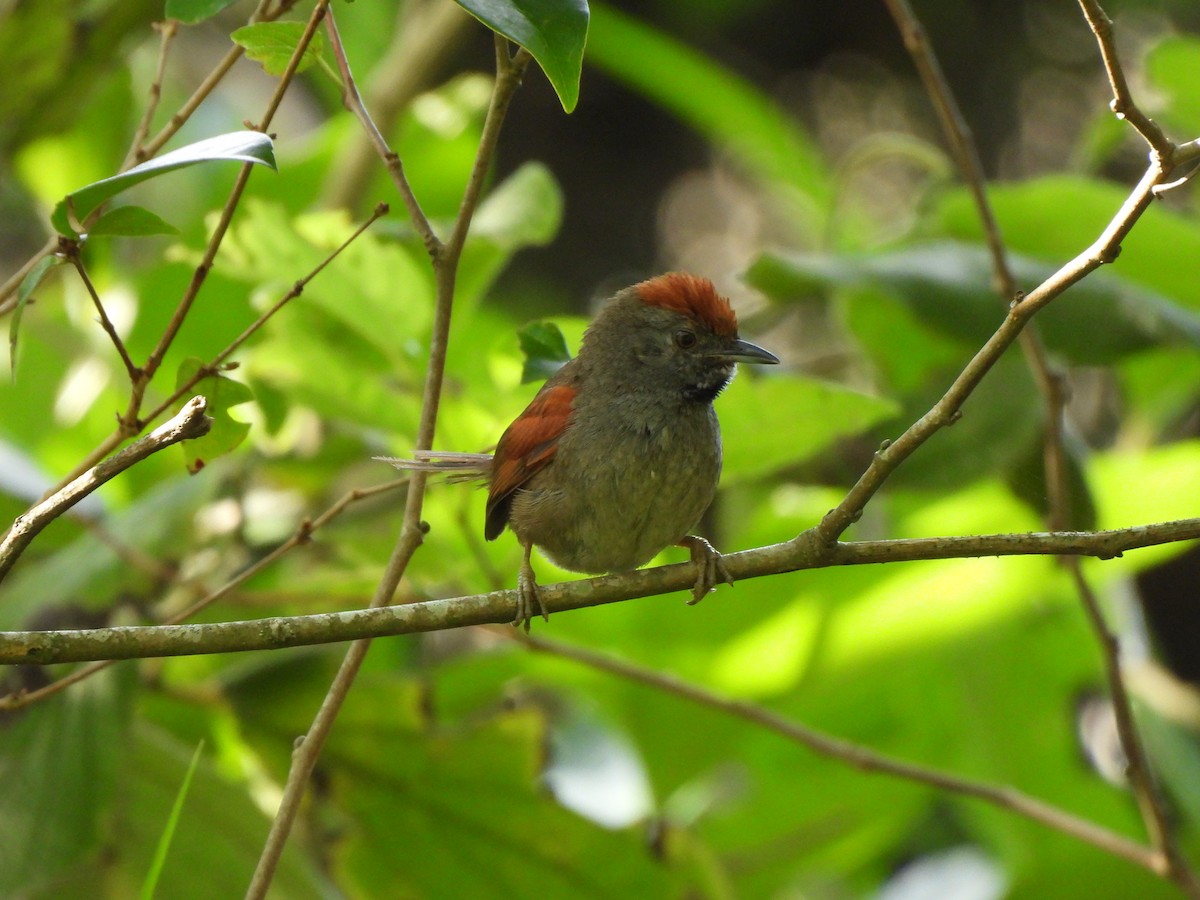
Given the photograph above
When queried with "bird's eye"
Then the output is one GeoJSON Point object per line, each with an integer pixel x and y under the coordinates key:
{"type": "Point", "coordinates": [684, 339]}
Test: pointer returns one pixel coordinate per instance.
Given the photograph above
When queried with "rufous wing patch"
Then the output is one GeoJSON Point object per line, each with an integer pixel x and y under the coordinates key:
{"type": "Point", "coordinates": [528, 445]}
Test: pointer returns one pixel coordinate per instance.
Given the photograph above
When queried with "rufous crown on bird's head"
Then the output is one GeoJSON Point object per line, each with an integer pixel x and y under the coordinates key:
{"type": "Point", "coordinates": [691, 296]}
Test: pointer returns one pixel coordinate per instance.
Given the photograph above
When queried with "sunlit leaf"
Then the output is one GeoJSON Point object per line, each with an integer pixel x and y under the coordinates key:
{"type": "Point", "coordinates": [164, 841]}
{"type": "Point", "coordinates": [274, 43]}
{"type": "Point", "coordinates": [192, 11]}
{"type": "Point", "coordinates": [1056, 217]}
{"type": "Point", "coordinates": [553, 31]}
{"type": "Point", "coordinates": [817, 414]}
{"type": "Point", "coordinates": [238, 146]}
{"type": "Point", "coordinates": [130, 221]}
{"type": "Point", "coordinates": [1172, 66]}
{"type": "Point", "coordinates": [222, 394]}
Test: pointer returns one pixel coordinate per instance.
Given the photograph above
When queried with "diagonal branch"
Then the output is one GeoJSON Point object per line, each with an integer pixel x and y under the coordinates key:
{"type": "Point", "coordinates": [949, 408]}
{"type": "Point", "coordinates": [191, 422]}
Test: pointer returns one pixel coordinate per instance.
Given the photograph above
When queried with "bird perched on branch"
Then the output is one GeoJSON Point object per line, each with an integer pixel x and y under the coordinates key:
{"type": "Point", "coordinates": [619, 454]}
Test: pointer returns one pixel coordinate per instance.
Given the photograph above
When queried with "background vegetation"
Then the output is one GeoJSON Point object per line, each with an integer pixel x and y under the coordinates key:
{"type": "Point", "coordinates": [785, 149]}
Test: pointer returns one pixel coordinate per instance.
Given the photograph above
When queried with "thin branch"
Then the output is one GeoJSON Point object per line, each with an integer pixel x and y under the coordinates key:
{"type": "Point", "coordinates": [131, 422]}
{"type": "Point", "coordinates": [949, 408]}
{"type": "Point", "coordinates": [1150, 803]}
{"type": "Point", "coordinates": [445, 264]}
{"type": "Point", "coordinates": [73, 256]}
{"type": "Point", "coordinates": [191, 422]}
{"type": "Point", "coordinates": [857, 756]}
{"type": "Point", "coordinates": [1122, 104]}
{"type": "Point", "coordinates": [395, 168]}
{"type": "Point", "coordinates": [958, 135]}
{"type": "Point", "coordinates": [137, 153]}
{"type": "Point", "coordinates": [296, 290]}
{"type": "Point", "coordinates": [301, 537]}
{"type": "Point", "coordinates": [235, 196]}
{"type": "Point", "coordinates": [421, 37]}
{"type": "Point", "coordinates": [498, 607]}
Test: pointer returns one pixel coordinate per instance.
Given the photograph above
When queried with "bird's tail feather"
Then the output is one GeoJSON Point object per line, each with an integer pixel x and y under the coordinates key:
{"type": "Point", "coordinates": [461, 465]}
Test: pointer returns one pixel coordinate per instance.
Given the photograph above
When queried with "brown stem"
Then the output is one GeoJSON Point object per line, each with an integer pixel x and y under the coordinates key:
{"type": "Point", "coordinates": [445, 263]}
{"type": "Point", "coordinates": [853, 754]}
{"type": "Point", "coordinates": [137, 153]}
{"type": "Point", "coordinates": [191, 422]}
{"type": "Point", "coordinates": [353, 101]}
{"type": "Point", "coordinates": [77, 261]}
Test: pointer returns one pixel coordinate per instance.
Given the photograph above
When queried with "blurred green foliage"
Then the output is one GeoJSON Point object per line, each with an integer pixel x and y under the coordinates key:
{"type": "Point", "coordinates": [462, 766]}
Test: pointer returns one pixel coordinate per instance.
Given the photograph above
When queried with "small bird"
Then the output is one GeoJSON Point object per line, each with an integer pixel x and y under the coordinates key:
{"type": "Point", "coordinates": [619, 454]}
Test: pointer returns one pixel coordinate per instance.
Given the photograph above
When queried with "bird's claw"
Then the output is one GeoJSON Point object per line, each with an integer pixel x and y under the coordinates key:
{"type": "Point", "coordinates": [529, 599]}
{"type": "Point", "coordinates": [710, 567]}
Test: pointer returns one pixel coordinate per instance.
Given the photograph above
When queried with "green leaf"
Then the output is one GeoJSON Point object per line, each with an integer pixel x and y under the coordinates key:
{"type": "Point", "coordinates": [60, 761]}
{"type": "Point", "coordinates": [545, 351]}
{"type": "Point", "coordinates": [948, 286]}
{"type": "Point", "coordinates": [274, 43]}
{"type": "Point", "coordinates": [237, 146]}
{"type": "Point", "coordinates": [222, 394]}
{"type": "Point", "coordinates": [24, 294]}
{"type": "Point", "coordinates": [1172, 66]}
{"type": "Point", "coordinates": [830, 412]}
{"type": "Point", "coordinates": [553, 31]}
{"type": "Point", "coordinates": [725, 108]}
{"type": "Point", "coordinates": [524, 210]}
{"type": "Point", "coordinates": [463, 797]}
{"type": "Point", "coordinates": [192, 11]}
{"type": "Point", "coordinates": [164, 841]}
{"type": "Point", "coordinates": [130, 221]}
{"type": "Point", "coordinates": [1056, 217]}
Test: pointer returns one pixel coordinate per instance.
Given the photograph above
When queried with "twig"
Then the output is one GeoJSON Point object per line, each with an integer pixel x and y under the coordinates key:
{"type": "Point", "coordinates": [191, 422]}
{"type": "Point", "coordinates": [422, 33]}
{"type": "Point", "coordinates": [1169, 861]}
{"type": "Point", "coordinates": [1122, 103]}
{"type": "Point", "coordinates": [296, 290]}
{"type": "Point", "coordinates": [948, 409]}
{"type": "Point", "coordinates": [853, 754]}
{"type": "Point", "coordinates": [958, 134]}
{"type": "Point", "coordinates": [445, 263]}
{"type": "Point", "coordinates": [497, 607]}
{"type": "Point", "coordinates": [137, 153]}
{"type": "Point", "coordinates": [235, 196]}
{"type": "Point", "coordinates": [73, 256]}
{"type": "Point", "coordinates": [131, 422]}
{"type": "Point", "coordinates": [395, 167]}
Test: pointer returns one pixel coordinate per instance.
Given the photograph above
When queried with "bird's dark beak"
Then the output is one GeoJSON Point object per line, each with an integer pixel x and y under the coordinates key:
{"type": "Point", "coordinates": [746, 352]}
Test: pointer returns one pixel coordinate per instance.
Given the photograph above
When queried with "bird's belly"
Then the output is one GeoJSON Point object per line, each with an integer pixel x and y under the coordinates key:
{"type": "Point", "coordinates": [611, 517]}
